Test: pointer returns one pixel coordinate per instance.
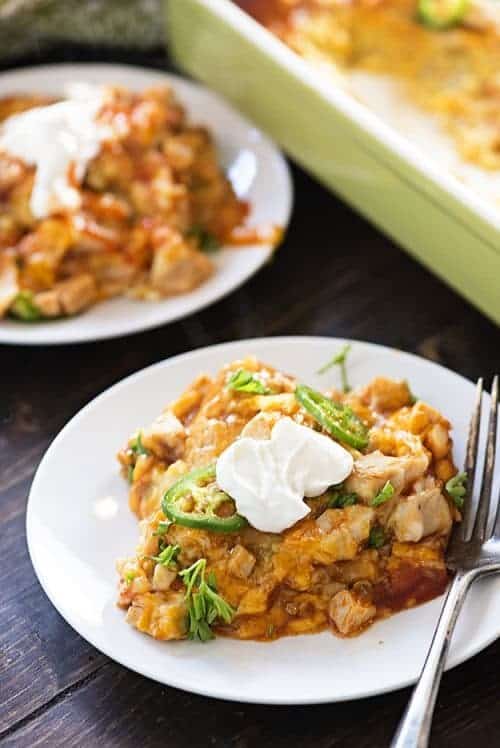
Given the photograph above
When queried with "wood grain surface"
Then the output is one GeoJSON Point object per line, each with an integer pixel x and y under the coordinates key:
{"type": "Point", "coordinates": [334, 275]}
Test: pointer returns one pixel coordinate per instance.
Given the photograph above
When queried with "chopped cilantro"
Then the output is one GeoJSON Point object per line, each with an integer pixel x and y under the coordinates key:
{"type": "Point", "coordinates": [244, 381]}
{"type": "Point", "coordinates": [205, 606]}
{"type": "Point", "coordinates": [163, 527]}
{"type": "Point", "coordinates": [168, 556]}
{"type": "Point", "coordinates": [206, 241]}
{"type": "Point", "coordinates": [377, 537]}
{"type": "Point", "coordinates": [413, 398]}
{"type": "Point", "coordinates": [137, 446]}
{"type": "Point", "coordinates": [339, 500]}
{"type": "Point", "coordinates": [384, 495]}
{"type": "Point", "coordinates": [340, 359]}
{"type": "Point", "coordinates": [456, 487]}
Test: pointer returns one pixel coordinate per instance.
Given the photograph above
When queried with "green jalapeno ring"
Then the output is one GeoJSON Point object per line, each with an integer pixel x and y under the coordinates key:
{"type": "Point", "coordinates": [193, 484]}
{"type": "Point", "coordinates": [339, 420]}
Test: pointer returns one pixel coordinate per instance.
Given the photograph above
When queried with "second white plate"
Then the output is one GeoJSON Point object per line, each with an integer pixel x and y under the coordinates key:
{"type": "Point", "coordinates": [78, 524]}
{"type": "Point", "coordinates": [256, 168]}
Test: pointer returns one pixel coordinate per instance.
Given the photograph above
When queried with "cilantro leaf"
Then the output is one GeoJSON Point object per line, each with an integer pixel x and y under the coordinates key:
{"type": "Point", "coordinates": [163, 527]}
{"type": "Point", "coordinates": [205, 605]}
{"type": "Point", "coordinates": [206, 241]}
{"type": "Point", "coordinates": [377, 537]}
{"type": "Point", "coordinates": [168, 556]}
{"type": "Point", "coordinates": [339, 500]}
{"type": "Point", "coordinates": [130, 473]}
{"type": "Point", "coordinates": [340, 359]}
{"type": "Point", "coordinates": [137, 447]}
{"type": "Point", "coordinates": [413, 398]}
{"type": "Point", "coordinates": [456, 487]}
{"type": "Point", "coordinates": [384, 495]}
{"type": "Point", "coordinates": [244, 381]}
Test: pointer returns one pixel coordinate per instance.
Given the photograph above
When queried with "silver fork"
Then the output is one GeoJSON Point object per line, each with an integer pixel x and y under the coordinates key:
{"type": "Point", "coordinates": [474, 551]}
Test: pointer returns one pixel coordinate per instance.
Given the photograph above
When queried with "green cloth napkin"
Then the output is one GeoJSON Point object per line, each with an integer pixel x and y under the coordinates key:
{"type": "Point", "coordinates": [28, 25]}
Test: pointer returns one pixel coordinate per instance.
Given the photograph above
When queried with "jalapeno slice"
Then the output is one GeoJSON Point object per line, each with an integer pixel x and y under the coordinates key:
{"type": "Point", "coordinates": [442, 14]}
{"type": "Point", "coordinates": [339, 420]}
{"type": "Point", "coordinates": [206, 497]}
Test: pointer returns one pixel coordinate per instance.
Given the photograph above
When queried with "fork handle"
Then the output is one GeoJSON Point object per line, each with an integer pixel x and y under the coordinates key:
{"type": "Point", "coordinates": [415, 726]}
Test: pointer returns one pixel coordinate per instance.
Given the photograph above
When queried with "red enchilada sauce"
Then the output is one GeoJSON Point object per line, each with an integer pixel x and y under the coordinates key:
{"type": "Point", "coordinates": [408, 585]}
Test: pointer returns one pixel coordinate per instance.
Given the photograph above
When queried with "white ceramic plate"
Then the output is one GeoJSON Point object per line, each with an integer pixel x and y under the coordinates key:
{"type": "Point", "coordinates": [78, 523]}
{"type": "Point", "coordinates": [255, 167]}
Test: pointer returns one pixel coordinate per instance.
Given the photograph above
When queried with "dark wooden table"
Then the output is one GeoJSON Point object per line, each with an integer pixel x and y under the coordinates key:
{"type": "Point", "coordinates": [334, 275]}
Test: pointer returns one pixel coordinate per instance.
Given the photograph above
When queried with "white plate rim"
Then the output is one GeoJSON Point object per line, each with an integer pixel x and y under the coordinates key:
{"type": "Point", "coordinates": [220, 693]}
{"type": "Point", "coordinates": [52, 332]}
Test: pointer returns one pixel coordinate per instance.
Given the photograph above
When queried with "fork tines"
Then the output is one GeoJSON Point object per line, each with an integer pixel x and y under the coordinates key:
{"type": "Point", "coordinates": [477, 529]}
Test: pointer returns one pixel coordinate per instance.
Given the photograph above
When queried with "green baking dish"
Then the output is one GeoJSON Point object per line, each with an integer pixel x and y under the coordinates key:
{"type": "Point", "coordinates": [348, 148]}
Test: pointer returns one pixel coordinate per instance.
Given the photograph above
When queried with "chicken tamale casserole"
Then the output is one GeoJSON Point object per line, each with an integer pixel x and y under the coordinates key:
{"type": "Point", "coordinates": [444, 53]}
{"type": "Point", "coordinates": [103, 193]}
{"type": "Point", "coordinates": [268, 508]}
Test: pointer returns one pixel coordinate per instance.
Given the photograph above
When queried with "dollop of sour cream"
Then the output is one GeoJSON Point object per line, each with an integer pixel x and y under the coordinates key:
{"type": "Point", "coordinates": [269, 478]}
{"type": "Point", "coordinates": [53, 137]}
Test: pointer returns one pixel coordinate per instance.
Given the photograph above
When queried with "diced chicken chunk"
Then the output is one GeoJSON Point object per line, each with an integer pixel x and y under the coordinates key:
{"type": "Point", "coordinates": [132, 581]}
{"type": "Point", "coordinates": [166, 436]}
{"type": "Point", "coordinates": [421, 417]}
{"type": "Point", "coordinates": [438, 441]}
{"type": "Point", "coordinates": [284, 403]}
{"type": "Point", "coordinates": [420, 514]}
{"type": "Point", "coordinates": [67, 297]}
{"type": "Point", "coordinates": [162, 618]}
{"type": "Point", "coordinates": [163, 577]}
{"type": "Point", "coordinates": [349, 613]}
{"type": "Point", "coordinates": [241, 562]}
{"type": "Point", "coordinates": [177, 268]}
{"type": "Point", "coordinates": [261, 425]}
{"type": "Point", "coordinates": [48, 303]}
{"type": "Point", "coordinates": [384, 394]}
{"type": "Point", "coordinates": [77, 293]}
{"type": "Point", "coordinates": [364, 566]}
{"type": "Point", "coordinates": [341, 533]}
{"type": "Point", "coordinates": [373, 470]}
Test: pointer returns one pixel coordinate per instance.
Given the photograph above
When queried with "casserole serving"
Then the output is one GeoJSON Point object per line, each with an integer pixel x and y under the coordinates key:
{"type": "Point", "coordinates": [258, 176]}
{"type": "Point", "coordinates": [79, 576]}
{"type": "Point", "coordinates": [270, 509]}
{"type": "Point", "coordinates": [133, 208]}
